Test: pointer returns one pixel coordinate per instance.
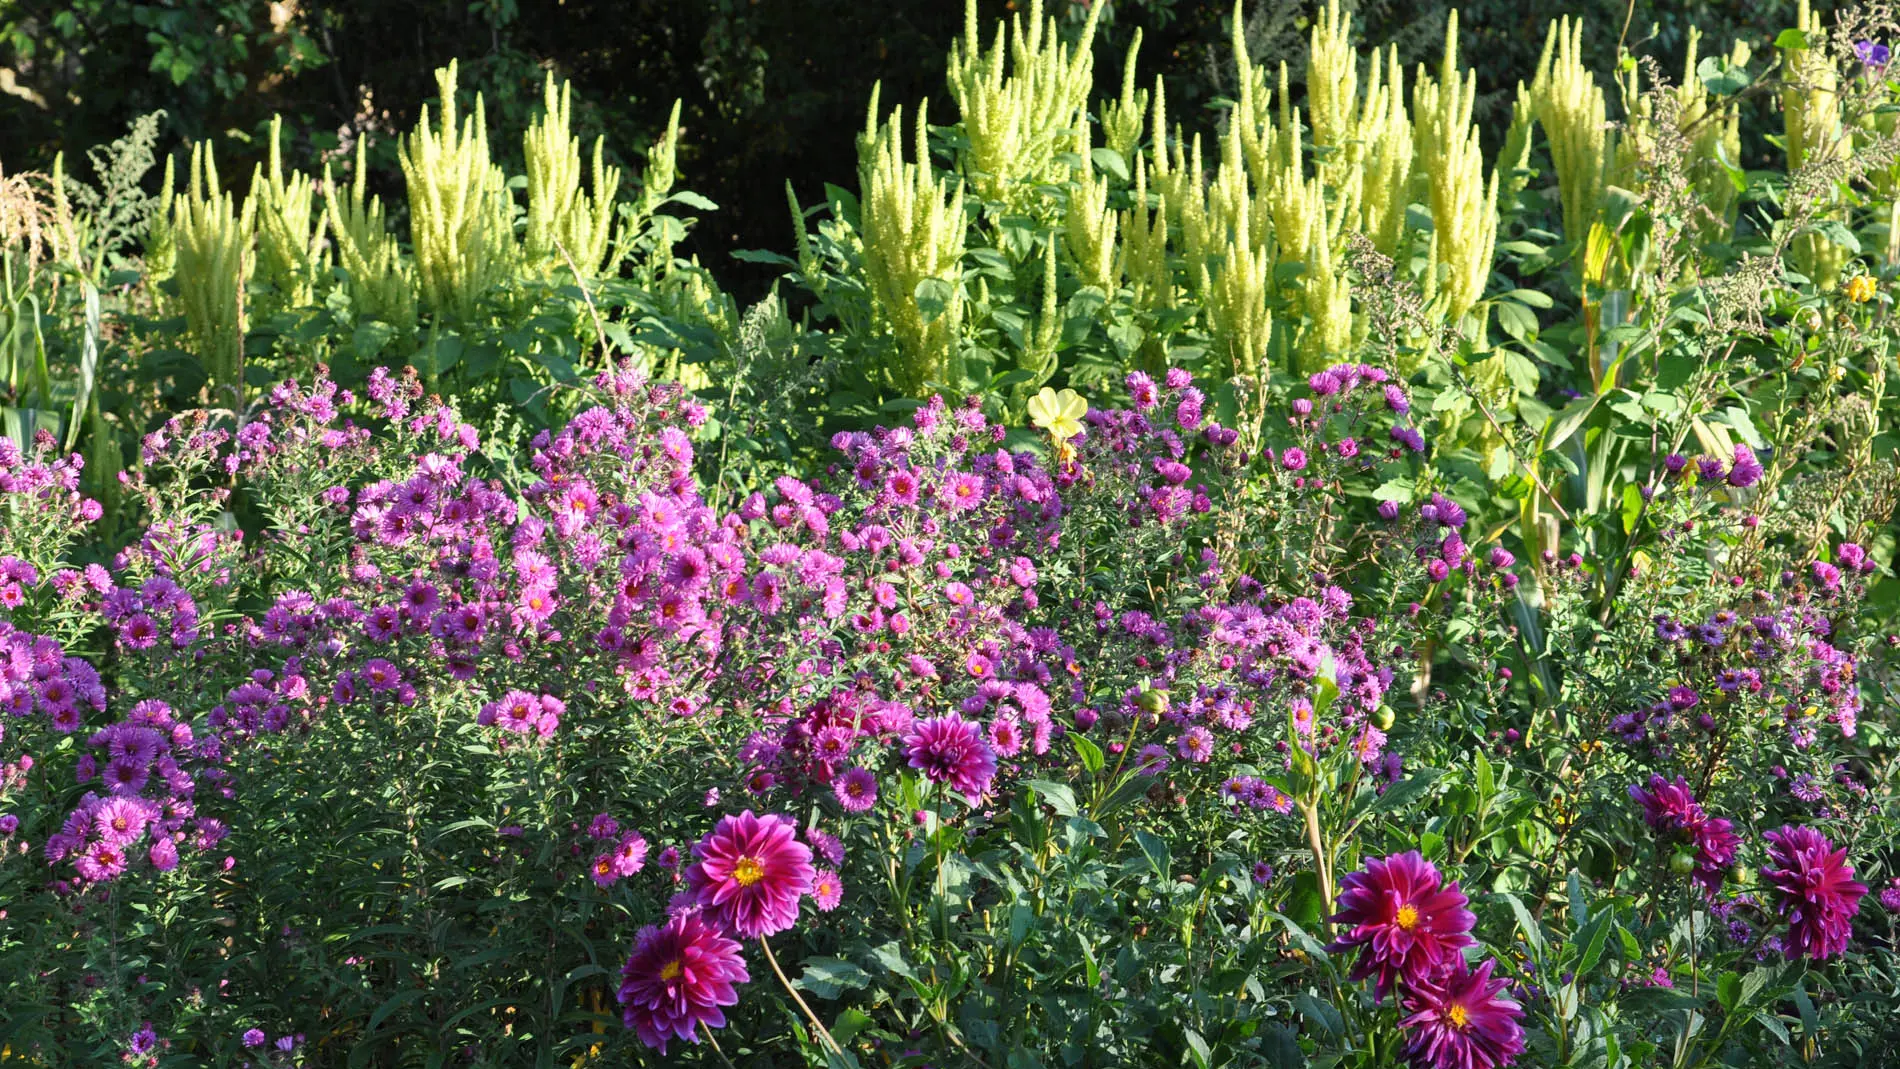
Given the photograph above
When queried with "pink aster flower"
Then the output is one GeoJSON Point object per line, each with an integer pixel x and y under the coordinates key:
{"type": "Point", "coordinates": [1462, 1020]}
{"type": "Point", "coordinates": [856, 789]}
{"type": "Point", "coordinates": [1819, 895]}
{"type": "Point", "coordinates": [100, 862]}
{"type": "Point", "coordinates": [1196, 744]}
{"type": "Point", "coordinates": [631, 855]}
{"type": "Point", "coordinates": [1405, 921]}
{"type": "Point", "coordinates": [603, 872]}
{"type": "Point", "coordinates": [827, 890]}
{"type": "Point", "coordinates": [949, 749]}
{"type": "Point", "coordinates": [677, 978]}
{"type": "Point", "coordinates": [749, 873]}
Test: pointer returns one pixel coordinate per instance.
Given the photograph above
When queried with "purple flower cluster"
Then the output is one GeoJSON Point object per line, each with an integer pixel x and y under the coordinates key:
{"type": "Point", "coordinates": [149, 808]}
{"type": "Point", "coordinates": [1769, 655]}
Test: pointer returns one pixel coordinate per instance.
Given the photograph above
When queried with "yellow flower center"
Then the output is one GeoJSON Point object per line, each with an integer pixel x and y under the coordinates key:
{"type": "Point", "coordinates": [1458, 1016]}
{"type": "Point", "coordinates": [748, 871]}
{"type": "Point", "coordinates": [1408, 917]}
{"type": "Point", "coordinates": [671, 970]}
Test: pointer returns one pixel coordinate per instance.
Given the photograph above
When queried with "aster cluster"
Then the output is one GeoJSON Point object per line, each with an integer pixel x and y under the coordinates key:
{"type": "Point", "coordinates": [1348, 400]}
{"type": "Point", "coordinates": [1741, 471]}
{"type": "Point", "coordinates": [149, 808]}
{"type": "Point", "coordinates": [1409, 929]}
{"type": "Point", "coordinates": [1767, 656]}
{"type": "Point", "coordinates": [1228, 679]}
{"type": "Point", "coordinates": [623, 851]}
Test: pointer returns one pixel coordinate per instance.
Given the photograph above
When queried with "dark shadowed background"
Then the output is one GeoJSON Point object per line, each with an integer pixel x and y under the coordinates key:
{"type": "Point", "coordinates": [772, 89]}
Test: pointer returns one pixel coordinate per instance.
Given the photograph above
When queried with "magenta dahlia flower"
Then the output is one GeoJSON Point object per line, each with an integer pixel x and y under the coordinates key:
{"type": "Point", "coordinates": [1819, 895]}
{"type": "Point", "coordinates": [1462, 1020]}
{"type": "Point", "coordinates": [950, 749]}
{"type": "Point", "coordinates": [677, 978]}
{"type": "Point", "coordinates": [1405, 921]}
{"type": "Point", "coordinates": [1673, 812]}
{"type": "Point", "coordinates": [1668, 807]}
{"type": "Point", "coordinates": [749, 873]}
{"type": "Point", "coordinates": [1716, 845]}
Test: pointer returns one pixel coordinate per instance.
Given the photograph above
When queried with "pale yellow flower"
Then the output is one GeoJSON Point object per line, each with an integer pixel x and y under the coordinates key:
{"type": "Point", "coordinates": [1058, 413]}
{"type": "Point", "coordinates": [1860, 289]}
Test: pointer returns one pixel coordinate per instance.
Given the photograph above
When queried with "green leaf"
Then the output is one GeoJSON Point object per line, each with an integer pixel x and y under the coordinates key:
{"type": "Point", "coordinates": [1155, 849]}
{"type": "Point", "coordinates": [1320, 1014]}
{"type": "Point", "coordinates": [933, 296]}
{"type": "Point", "coordinates": [1406, 791]}
{"type": "Point", "coordinates": [1301, 937]}
{"type": "Point", "coordinates": [1566, 422]}
{"type": "Point", "coordinates": [392, 1004]}
{"type": "Point", "coordinates": [1728, 990]}
{"type": "Point", "coordinates": [88, 365]}
{"type": "Point", "coordinates": [1836, 231]}
{"type": "Point", "coordinates": [1110, 161]}
{"type": "Point", "coordinates": [1721, 78]}
{"type": "Point", "coordinates": [1810, 1021]}
{"type": "Point", "coordinates": [1091, 753]}
{"type": "Point", "coordinates": [1791, 39]}
{"type": "Point", "coordinates": [1533, 932]}
{"type": "Point", "coordinates": [848, 1024]}
{"type": "Point", "coordinates": [1196, 1045]}
{"type": "Point", "coordinates": [831, 977]}
{"type": "Point", "coordinates": [692, 200]}
{"type": "Point", "coordinates": [891, 956]}
{"type": "Point", "coordinates": [1592, 939]}
{"type": "Point", "coordinates": [1055, 795]}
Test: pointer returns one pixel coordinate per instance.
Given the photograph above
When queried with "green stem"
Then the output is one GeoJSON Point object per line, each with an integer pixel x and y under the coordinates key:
{"type": "Point", "coordinates": [823, 1032]}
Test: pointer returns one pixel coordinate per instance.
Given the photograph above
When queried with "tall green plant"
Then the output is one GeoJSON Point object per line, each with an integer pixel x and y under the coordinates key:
{"type": "Point", "coordinates": [460, 214]}
{"type": "Point", "coordinates": [215, 259]}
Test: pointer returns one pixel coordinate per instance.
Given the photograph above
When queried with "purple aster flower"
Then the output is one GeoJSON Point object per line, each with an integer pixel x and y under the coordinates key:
{"type": "Point", "coordinates": [963, 491]}
{"type": "Point", "coordinates": [1746, 470]}
{"type": "Point", "coordinates": [826, 845]}
{"type": "Point", "coordinates": [827, 890]}
{"type": "Point", "coordinates": [631, 855]}
{"type": "Point", "coordinates": [855, 789]}
{"type": "Point", "coordinates": [1196, 744]}
{"type": "Point", "coordinates": [254, 1037]}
